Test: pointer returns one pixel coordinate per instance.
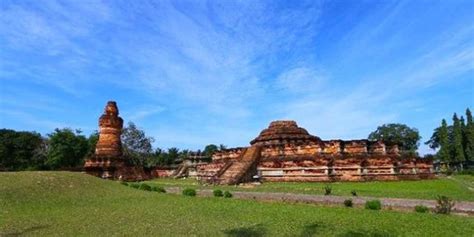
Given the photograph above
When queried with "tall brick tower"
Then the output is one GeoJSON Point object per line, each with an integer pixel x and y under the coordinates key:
{"type": "Point", "coordinates": [110, 129]}
{"type": "Point", "coordinates": [109, 162]}
{"type": "Point", "coordinates": [108, 158]}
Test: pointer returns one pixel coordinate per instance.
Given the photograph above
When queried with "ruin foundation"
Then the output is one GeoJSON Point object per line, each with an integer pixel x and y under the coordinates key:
{"type": "Point", "coordinates": [286, 152]}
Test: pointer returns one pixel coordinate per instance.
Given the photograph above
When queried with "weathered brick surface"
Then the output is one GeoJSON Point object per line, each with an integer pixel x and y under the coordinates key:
{"type": "Point", "coordinates": [108, 160]}
{"type": "Point", "coordinates": [290, 153]}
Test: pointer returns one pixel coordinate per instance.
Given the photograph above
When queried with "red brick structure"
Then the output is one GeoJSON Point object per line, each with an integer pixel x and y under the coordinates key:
{"type": "Point", "coordinates": [286, 152]}
{"type": "Point", "coordinates": [108, 160]}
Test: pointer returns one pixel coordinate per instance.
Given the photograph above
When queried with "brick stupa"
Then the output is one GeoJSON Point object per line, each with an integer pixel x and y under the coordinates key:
{"type": "Point", "coordinates": [109, 145]}
{"type": "Point", "coordinates": [108, 161]}
{"type": "Point", "coordinates": [281, 131]}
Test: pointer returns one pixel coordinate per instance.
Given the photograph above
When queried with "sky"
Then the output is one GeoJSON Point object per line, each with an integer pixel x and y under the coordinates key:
{"type": "Point", "coordinates": [192, 73]}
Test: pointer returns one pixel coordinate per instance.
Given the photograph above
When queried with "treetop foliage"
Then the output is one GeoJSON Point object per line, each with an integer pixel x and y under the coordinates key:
{"type": "Point", "coordinates": [455, 143]}
{"type": "Point", "coordinates": [405, 137]}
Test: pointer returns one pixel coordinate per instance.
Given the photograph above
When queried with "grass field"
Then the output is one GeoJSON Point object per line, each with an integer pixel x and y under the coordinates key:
{"type": "Point", "coordinates": [75, 204]}
{"type": "Point", "coordinates": [459, 187]}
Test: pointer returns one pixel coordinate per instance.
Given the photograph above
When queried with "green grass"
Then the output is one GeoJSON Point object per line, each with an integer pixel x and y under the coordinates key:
{"type": "Point", "coordinates": [458, 187]}
{"type": "Point", "coordinates": [75, 204]}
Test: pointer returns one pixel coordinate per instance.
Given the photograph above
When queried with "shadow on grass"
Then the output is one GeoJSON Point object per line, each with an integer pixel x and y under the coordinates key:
{"type": "Point", "coordinates": [312, 229]}
{"type": "Point", "coordinates": [252, 231]}
{"type": "Point", "coordinates": [25, 231]}
{"type": "Point", "coordinates": [366, 233]}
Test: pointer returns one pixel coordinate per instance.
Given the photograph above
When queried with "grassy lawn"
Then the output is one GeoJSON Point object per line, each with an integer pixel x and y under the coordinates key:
{"type": "Point", "coordinates": [75, 204]}
{"type": "Point", "coordinates": [458, 187]}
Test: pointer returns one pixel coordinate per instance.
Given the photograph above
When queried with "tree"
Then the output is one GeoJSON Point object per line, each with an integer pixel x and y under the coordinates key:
{"type": "Point", "coordinates": [136, 145]}
{"type": "Point", "coordinates": [444, 144]}
{"type": "Point", "coordinates": [457, 147]}
{"type": "Point", "coordinates": [469, 137]}
{"type": "Point", "coordinates": [209, 150]}
{"type": "Point", "coordinates": [92, 141]}
{"type": "Point", "coordinates": [20, 150]}
{"type": "Point", "coordinates": [183, 154]}
{"type": "Point", "coordinates": [173, 155]}
{"type": "Point", "coordinates": [434, 142]}
{"type": "Point", "coordinates": [222, 147]}
{"type": "Point", "coordinates": [407, 138]}
{"type": "Point", "coordinates": [66, 149]}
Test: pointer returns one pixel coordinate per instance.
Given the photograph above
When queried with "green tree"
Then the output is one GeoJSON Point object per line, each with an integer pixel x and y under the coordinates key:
{"type": "Point", "coordinates": [158, 158]}
{"type": "Point", "coordinates": [136, 145]}
{"type": "Point", "coordinates": [183, 154]}
{"type": "Point", "coordinates": [20, 150]}
{"type": "Point", "coordinates": [469, 137]}
{"type": "Point", "coordinates": [209, 150]}
{"type": "Point", "coordinates": [222, 147]}
{"type": "Point", "coordinates": [407, 138]}
{"type": "Point", "coordinates": [433, 143]}
{"type": "Point", "coordinates": [457, 147]}
{"type": "Point", "coordinates": [173, 155]}
{"type": "Point", "coordinates": [92, 141]}
{"type": "Point", "coordinates": [443, 141]}
{"type": "Point", "coordinates": [66, 149]}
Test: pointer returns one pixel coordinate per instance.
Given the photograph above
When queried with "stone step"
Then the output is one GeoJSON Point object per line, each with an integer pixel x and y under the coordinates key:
{"type": "Point", "coordinates": [239, 168]}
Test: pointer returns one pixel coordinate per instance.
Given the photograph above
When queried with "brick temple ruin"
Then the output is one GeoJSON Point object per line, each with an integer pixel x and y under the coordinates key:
{"type": "Point", "coordinates": [286, 152]}
{"type": "Point", "coordinates": [108, 160]}
{"type": "Point", "coordinates": [282, 152]}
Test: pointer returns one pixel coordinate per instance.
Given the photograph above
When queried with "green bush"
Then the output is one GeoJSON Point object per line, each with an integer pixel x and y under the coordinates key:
{"type": "Point", "coordinates": [444, 205]}
{"type": "Point", "coordinates": [145, 187]}
{"type": "Point", "coordinates": [467, 172]}
{"type": "Point", "coordinates": [354, 193]}
{"type": "Point", "coordinates": [348, 203]}
{"type": "Point", "coordinates": [217, 193]}
{"type": "Point", "coordinates": [449, 172]}
{"type": "Point", "coordinates": [189, 192]}
{"type": "Point", "coordinates": [227, 194]}
{"type": "Point", "coordinates": [124, 183]}
{"type": "Point", "coordinates": [158, 189]}
{"type": "Point", "coordinates": [327, 190]}
{"type": "Point", "coordinates": [373, 205]}
{"type": "Point", "coordinates": [134, 185]}
{"type": "Point", "coordinates": [421, 209]}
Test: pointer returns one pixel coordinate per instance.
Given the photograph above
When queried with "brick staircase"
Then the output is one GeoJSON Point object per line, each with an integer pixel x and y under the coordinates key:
{"type": "Point", "coordinates": [239, 169]}
{"type": "Point", "coordinates": [180, 171]}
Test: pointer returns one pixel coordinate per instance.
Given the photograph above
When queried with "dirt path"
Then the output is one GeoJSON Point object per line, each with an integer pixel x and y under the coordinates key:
{"type": "Point", "coordinates": [395, 203]}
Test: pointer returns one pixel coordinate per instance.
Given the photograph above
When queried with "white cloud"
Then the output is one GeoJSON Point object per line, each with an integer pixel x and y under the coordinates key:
{"type": "Point", "coordinates": [142, 112]}
{"type": "Point", "coordinates": [301, 80]}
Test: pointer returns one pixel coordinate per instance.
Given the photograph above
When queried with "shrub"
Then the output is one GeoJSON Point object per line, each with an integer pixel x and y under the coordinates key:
{"type": "Point", "coordinates": [373, 205]}
{"type": "Point", "coordinates": [217, 193]}
{"type": "Point", "coordinates": [467, 172]}
{"type": "Point", "coordinates": [327, 190]}
{"type": "Point", "coordinates": [124, 183]}
{"type": "Point", "coordinates": [444, 205]}
{"type": "Point", "coordinates": [158, 189]}
{"type": "Point", "coordinates": [189, 192]}
{"type": "Point", "coordinates": [227, 194]}
{"type": "Point", "coordinates": [134, 185]}
{"type": "Point", "coordinates": [144, 187]}
{"type": "Point", "coordinates": [421, 209]}
{"type": "Point", "coordinates": [354, 193]}
{"type": "Point", "coordinates": [348, 203]}
{"type": "Point", "coordinates": [449, 172]}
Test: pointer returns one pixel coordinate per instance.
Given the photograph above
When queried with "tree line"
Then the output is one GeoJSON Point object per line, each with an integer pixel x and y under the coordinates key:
{"type": "Point", "coordinates": [455, 142]}
{"type": "Point", "coordinates": [63, 148]}
{"type": "Point", "coordinates": [67, 149]}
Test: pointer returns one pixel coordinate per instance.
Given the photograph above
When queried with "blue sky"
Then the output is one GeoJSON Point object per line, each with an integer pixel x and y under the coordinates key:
{"type": "Point", "coordinates": [192, 73]}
